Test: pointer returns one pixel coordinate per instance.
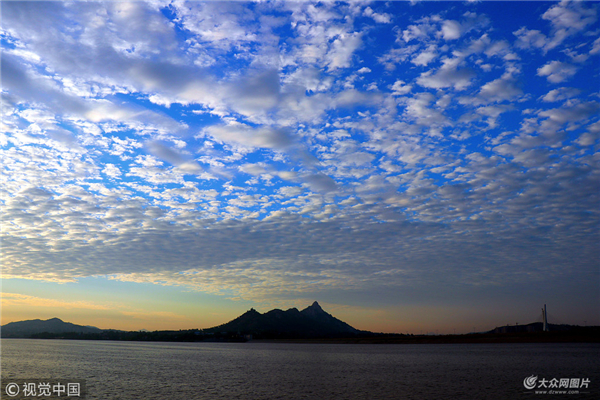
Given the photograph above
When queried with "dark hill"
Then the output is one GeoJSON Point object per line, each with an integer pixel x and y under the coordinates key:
{"type": "Point", "coordinates": [533, 327]}
{"type": "Point", "coordinates": [325, 320]}
{"type": "Point", "coordinates": [311, 322]}
{"type": "Point", "coordinates": [35, 326]}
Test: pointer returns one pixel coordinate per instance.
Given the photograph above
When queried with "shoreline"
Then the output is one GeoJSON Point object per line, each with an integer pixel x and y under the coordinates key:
{"type": "Point", "coordinates": [471, 338]}
{"type": "Point", "coordinates": [483, 338]}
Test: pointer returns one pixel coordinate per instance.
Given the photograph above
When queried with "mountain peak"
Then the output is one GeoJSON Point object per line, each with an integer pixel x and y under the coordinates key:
{"type": "Point", "coordinates": [314, 310]}
{"type": "Point", "coordinates": [313, 321]}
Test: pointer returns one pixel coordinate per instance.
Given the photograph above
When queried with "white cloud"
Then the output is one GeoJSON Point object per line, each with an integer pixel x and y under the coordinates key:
{"type": "Point", "coordinates": [426, 56]}
{"type": "Point", "coordinates": [530, 38]}
{"type": "Point", "coordinates": [174, 157]}
{"type": "Point", "coordinates": [112, 170]}
{"type": "Point", "coordinates": [320, 182]}
{"type": "Point", "coordinates": [505, 88]}
{"type": "Point", "coordinates": [17, 299]}
{"type": "Point", "coordinates": [451, 30]}
{"type": "Point", "coordinates": [383, 18]}
{"type": "Point", "coordinates": [342, 49]}
{"type": "Point", "coordinates": [557, 71]}
{"type": "Point", "coordinates": [400, 88]}
{"type": "Point", "coordinates": [595, 47]}
{"type": "Point", "coordinates": [493, 112]}
{"type": "Point", "coordinates": [425, 28]}
{"type": "Point", "coordinates": [419, 108]}
{"type": "Point", "coordinates": [220, 25]}
{"type": "Point", "coordinates": [571, 114]}
{"type": "Point", "coordinates": [570, 16]}
{"type": "Point", "coordinates": [560, 94]}
{"type": "Point", "coordinates": [241, 134]}
{"type": "Point", "coordinates": [588, 139]}
{"type": "Point", "coordinates": [567, 19]}
{"type": "Point", "coordinates": [448, 75]}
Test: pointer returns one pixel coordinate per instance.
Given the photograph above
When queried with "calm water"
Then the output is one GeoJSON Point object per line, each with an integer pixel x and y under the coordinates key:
{"type": "Point", "coordinates": [138, 370]}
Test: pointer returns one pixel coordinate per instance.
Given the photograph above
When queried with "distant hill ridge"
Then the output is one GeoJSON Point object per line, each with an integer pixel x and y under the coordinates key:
{"type": "Point", "coordinates": [35, 326]}
{"type": "Point", "coordinates": [532, 327]}
{"type": "Point", "coordinates": [313, 321]}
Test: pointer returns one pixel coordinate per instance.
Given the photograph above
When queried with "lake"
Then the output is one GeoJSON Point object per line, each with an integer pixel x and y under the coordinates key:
{"type": "Point", "coordinates": [159, 370]}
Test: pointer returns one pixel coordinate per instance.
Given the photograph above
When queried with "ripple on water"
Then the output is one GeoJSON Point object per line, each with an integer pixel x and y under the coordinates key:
{"type": "Point", "coordinates": [134, 370]}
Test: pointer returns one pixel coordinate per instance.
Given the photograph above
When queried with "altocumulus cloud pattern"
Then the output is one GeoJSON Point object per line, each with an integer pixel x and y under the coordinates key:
{"type": "Point", "coordinates": [284, 149]}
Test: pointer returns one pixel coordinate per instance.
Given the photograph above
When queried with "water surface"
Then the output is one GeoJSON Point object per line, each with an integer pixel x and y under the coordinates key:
{"type": "Point", "coordinates": [153, 370]}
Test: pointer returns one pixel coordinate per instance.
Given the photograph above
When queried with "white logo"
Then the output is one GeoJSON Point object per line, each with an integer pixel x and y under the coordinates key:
{"type": "Point", "coordinates": [554, 385]}
{"type": "Point", "coordinates": [529, 382]}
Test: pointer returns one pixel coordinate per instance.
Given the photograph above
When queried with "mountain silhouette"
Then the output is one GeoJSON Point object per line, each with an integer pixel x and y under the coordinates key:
{"type": "Point", "coordinates": [313, 321]}
{"type": "Point", "coordinates": [35, 326]}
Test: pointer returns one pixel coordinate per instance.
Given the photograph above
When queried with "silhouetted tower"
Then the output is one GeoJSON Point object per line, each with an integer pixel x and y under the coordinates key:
{"type": "Point", "coordinates": [545, 318]}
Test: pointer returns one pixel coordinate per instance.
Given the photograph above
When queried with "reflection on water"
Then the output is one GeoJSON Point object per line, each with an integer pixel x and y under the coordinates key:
{"type": "Point", "coordinates": [139, 370]}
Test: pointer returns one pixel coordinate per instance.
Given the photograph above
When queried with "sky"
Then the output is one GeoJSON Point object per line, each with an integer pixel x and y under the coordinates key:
{"type": "Point", "coordinates": [412, 166]}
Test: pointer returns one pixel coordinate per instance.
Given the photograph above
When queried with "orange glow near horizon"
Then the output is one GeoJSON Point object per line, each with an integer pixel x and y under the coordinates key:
{"type": "Point", "coordinates": [415, 320]}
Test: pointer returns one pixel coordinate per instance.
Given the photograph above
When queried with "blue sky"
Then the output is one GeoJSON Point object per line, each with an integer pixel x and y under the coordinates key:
{"type": "Point", "coordinates": [413, 166]}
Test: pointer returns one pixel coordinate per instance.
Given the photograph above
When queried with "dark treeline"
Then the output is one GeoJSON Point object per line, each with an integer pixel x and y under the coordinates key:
{"type": "Point", "coordinates": [589, 334]}
{"type": "Point", "coordinates": [157, 336]}
{"type": "Point", "coordinates": [195, 336]}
